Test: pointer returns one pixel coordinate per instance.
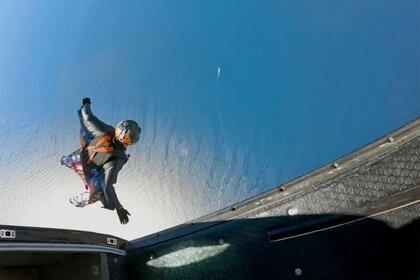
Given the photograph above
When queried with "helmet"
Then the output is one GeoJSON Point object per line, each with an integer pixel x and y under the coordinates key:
{"type": "Point", "coordinates": [127, 132]}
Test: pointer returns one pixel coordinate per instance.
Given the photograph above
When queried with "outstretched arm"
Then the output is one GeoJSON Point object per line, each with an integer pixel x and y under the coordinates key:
{"type": "Point", "coordinates": [110, 173]}
{"type": "Point", "coordinates": [94, 125]}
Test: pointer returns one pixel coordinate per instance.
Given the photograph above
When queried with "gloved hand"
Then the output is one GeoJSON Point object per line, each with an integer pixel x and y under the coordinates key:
{"type": "Point", "coordinates": [86, 100]}
{"type": "Point", "coordinates": [123, 215]}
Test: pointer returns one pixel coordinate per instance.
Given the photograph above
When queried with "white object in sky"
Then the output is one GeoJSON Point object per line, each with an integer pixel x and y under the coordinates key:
{"type": "Point", "coordinates": [218, 73]}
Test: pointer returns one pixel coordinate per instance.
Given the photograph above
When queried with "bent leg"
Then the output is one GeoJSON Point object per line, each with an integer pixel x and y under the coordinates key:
{"type": "Point", "coordinates": [94, 187]}
{"type": "Point", "coordinates": [73, 162]}
{"type": "Point", "coordinates": [92, 194]}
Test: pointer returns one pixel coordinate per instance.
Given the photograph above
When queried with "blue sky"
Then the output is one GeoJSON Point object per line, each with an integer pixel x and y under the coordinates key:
{"type": "Point", "coordinates": [302, 82]}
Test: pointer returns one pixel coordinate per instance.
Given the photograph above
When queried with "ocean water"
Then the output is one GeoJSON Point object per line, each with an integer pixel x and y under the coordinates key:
{"type": "Point", "coordinates": [234, 98]}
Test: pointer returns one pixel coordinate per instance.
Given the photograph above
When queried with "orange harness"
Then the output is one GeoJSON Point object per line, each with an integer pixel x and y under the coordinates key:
{"type": "Point", "coordinates": [103, 145]}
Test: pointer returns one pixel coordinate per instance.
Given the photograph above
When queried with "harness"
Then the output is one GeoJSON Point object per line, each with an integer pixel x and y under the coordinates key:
{"type": "Point", "coordinates": [102, 145]}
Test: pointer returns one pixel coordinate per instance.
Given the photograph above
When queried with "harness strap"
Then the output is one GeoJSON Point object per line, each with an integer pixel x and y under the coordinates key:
{"type": "Point", "coordinates": [102, 146]}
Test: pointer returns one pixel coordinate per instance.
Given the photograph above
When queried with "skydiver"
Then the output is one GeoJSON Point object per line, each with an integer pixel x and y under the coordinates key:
{"type": "Point", "coordinates": [100, 159]}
